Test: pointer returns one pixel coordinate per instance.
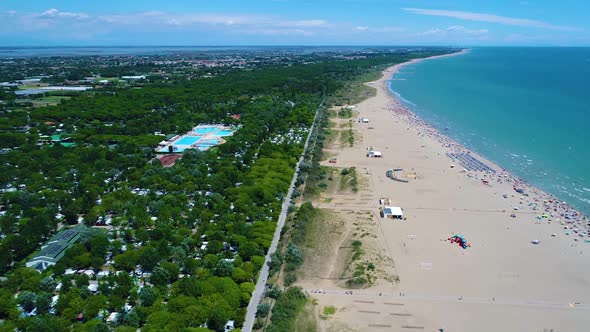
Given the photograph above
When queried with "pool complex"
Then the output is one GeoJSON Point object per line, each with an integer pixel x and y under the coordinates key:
{"type": "Point", "coordinates": [200, 137]}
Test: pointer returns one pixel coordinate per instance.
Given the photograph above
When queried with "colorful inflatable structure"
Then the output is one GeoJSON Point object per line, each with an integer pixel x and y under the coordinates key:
{"type": "Point", "coordinates": [460, 240]}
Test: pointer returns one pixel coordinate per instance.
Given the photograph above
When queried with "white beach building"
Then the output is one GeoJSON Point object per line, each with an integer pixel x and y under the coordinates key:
{"type": "Point", "coordinates": [374, 154]}
{"type": "Point", "coordinates": [393, 212]}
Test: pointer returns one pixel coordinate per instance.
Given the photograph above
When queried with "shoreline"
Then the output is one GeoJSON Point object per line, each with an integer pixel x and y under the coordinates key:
{"type": "Point", "coordinates": [522, 270]}
{"type": "Point", "coordinates": [556, 208]}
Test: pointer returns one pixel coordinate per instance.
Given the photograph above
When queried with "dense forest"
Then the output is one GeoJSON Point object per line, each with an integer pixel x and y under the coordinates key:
{"type": "Point", "coordinates": [185, 243]}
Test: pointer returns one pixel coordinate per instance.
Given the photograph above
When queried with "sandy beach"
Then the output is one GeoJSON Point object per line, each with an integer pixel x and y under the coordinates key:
{"type": "Point", "coordinates": [502, 282]}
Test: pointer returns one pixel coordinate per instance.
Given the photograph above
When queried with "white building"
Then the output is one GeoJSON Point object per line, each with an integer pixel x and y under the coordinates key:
{"type": "Point", "coordinates": [393, 212]}
{"type": "Point", "coordinates": [229, 325]}
{"type": "Point", "coordinates": [138, 77]}
{"type": "Point", "coordinates": [374, 154]}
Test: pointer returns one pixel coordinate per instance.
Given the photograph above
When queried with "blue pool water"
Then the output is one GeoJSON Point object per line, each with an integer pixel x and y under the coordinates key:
{"type": "Point", "coordinates": [212, 131]}
{"type": "Point", "coordinates": [187, 140]}
{"type": "Point", "coordinates": [222, 133]}
{"type": "Point", "coordinates": [527, 109]}
{"type": "Point", "coordinates": [205, 130]}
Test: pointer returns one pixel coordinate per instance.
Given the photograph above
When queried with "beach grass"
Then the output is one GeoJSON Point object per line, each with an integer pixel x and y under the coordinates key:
{"type": "Point", "coordinates": [350, 135]}
{"type": "Point", "coordinates": [349, 179]}
{"type": "Point", "coordinates": [306, 320]}
{"type": "Point", "coordinates": [356, 91]}
{"type": "Point", "coordinates": [347, 137]}
{"type": "Point", "coordinates": [345, 113]}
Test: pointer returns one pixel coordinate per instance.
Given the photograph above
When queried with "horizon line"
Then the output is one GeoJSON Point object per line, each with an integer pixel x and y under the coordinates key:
{"type": "Point", "coordinates": [303, 45]}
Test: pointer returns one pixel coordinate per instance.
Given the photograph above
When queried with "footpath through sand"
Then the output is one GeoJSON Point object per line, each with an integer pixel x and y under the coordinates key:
{"type": "Point", "coordinates": [502, 282]}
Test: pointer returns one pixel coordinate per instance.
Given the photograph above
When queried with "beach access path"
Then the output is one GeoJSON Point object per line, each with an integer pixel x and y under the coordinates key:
{"type": "Point", "coordinates": [260, 288]}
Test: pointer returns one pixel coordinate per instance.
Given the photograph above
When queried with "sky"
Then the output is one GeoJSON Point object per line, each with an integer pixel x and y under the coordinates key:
{"type": "Point", "coordinates": [294, 22]}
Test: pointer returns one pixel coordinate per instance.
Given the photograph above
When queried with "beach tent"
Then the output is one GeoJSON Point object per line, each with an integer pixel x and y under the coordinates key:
{"type": "Point", "coordinates": [393, 212]}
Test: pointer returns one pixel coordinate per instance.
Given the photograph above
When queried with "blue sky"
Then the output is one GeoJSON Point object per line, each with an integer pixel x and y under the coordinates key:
{"type": "Point", "coordinates": [295, 22]}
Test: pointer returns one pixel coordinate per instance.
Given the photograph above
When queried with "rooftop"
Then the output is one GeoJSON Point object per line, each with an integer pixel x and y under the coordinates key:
{"type": "Point", "coordinates": [55, 248]}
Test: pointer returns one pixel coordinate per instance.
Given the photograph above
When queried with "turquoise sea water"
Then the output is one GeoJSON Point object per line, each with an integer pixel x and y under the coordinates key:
{"type": "Point", "coordinates": [526, 109]}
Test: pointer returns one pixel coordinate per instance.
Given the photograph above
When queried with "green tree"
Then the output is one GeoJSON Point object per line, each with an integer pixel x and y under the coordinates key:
{"type": "Point", "coordinates": [43, 303]}
{"type": "Point", "coordinates": [47, 284]}
{"type": "Point", "coordinates": [147, 296]}
{"type": "Point", "coordinates": [7, 305]}
{"type": "Point", "coordinates": [160, 276]}
{"type": "Point", "coordinates": [293, 255]}
{"type": "Point", "coordinates": [26, 300]}
{"type": "Point", "coordinates": [217, 320]}
{"type": "Point", "coordinates": [262, 310]}
{"type": "Point", "coordinates": [101, 327]}
{"type": "Point", "coordinates": [94, 304]}
{"type": "Point", "coordinates": [172, 268]}
{"type": "Point", "coordinates": [224, 268]}
{"type": "Point", "coordinates": [131, 319]}
{"type": "Point", "coordinates": [148, 258]}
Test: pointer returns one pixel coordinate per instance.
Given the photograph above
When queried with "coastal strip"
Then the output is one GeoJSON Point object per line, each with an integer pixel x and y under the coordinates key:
{"type": "Point", "coordinates": [521, 261]}
{"type": "Point", "coordinates": [544, 205]}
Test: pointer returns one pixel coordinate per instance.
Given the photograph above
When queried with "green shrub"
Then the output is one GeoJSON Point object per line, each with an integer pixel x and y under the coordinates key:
{"type": "Point", "coordinates": [262, 310]}
{"type": "Point", "coordinates": [290, 278]}
{"type": "Point", "coordinates": [329, 310]}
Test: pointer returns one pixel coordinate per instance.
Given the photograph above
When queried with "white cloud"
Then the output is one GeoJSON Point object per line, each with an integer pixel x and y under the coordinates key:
{"type": "Point", "coordinates": [281, 32]}
{"type": "Point", "coordinates": [435, 31]}
{"type": "Point", "coordinates": [481, 17]}
{"type": "Point", "coordinates": [158, 18]}
{"type": "Point", "coordinates": [210, 19]}
{"type": "Point", "coordinates": [462, 29]}
{"type": "Point", "coordinates": [454, 30]}
{"type": "Point", "coordinates": [306, 23]}
{"type": "Point", "coordinates": [379, 29]}
{"type": "Point", "coordinates": [54, 13]}
{"type": "Point", "coordinates": [55, 21]}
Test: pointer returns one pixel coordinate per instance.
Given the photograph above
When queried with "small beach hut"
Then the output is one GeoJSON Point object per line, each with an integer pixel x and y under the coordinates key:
{"type": "Point", "coordinates": [393, 212]}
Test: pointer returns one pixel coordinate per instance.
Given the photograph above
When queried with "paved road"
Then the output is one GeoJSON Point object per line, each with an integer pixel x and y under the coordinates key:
{"type": "Point", "coordinates": [261, 283]}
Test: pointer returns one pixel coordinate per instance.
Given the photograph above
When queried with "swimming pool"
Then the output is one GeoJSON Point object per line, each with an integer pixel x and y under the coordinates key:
{"type": "Point", "coordinates": [214, 131]}
{"type": "Point", "coordinates": [206, 130]}
{"type": "Point", "coordinates": [202, 137]}
{"type": "Point", "coordinates": [187, 140]}
{"type": "Point", "coordinates": [223, 132]}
